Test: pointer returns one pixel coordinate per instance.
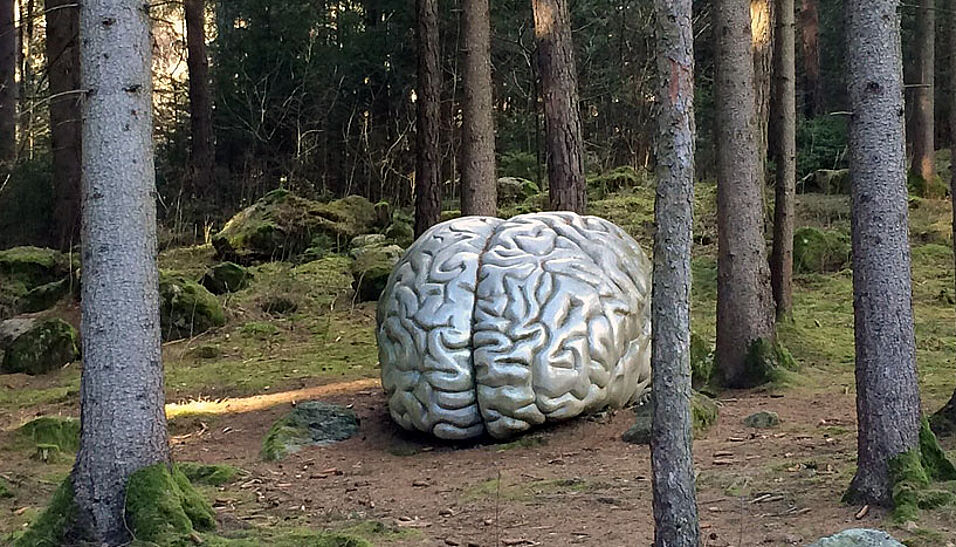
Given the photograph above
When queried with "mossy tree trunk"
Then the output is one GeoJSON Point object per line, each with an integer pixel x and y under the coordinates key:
{"type": "Point", "coordinates": [675, 505]}
{"type": "Point", "coordinates": [478, 181]}
{"type": "Point", "coordinates": [121, 392]}
{"type": "Point", "coordinates": [744, 300]}
{"type": "Point", "coordinates": [562, 120]}
{"type": "Point", "coordinates": [785, 157]}
{"type": "Point", "coordinates": [924, 127]}
{"type": "Point", "coordinates": [202, 153]}
{"type": "Point", "coordinates": [428, 130]}
{"type": "Point", "coordinates": [888, 405]}
{"type": "Point", "coordinates": [8, 83]}
{"type": "Point", "coordinates": [66, 139]}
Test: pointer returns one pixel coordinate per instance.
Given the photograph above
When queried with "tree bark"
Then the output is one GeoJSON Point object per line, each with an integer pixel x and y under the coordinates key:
{"type": "Point", "coordinates": [121, 392]}
{"type": "Point", "coordinates": [202, 152]}
{"type": "Point", "coordinates": [562, 119]}
{"type": "Point", "coordinates": [63, 71]}
{"type": "Point", "coordinates": [8, 83]}
{"type": "Point", "coordinates": [948, 412]}
{"type": "Point", "coordinates": [744, 301]}
{"type": "Point", "coordinates": [888, 405]}
{"type": "Point", "coordinates": [813, 101]}
{"type": "Point", "coordinates": [762, 17]}
{"type": "Point", "coordinates": [672, 463]}
{"type": "Point", "coordinates": [924, 125]}
{"type": "Point", "coordinates": [785, 158]}
{"type": "Point", "coordinates": [479, 192]}
{"type": "Point", "coordinates": [428, 157]}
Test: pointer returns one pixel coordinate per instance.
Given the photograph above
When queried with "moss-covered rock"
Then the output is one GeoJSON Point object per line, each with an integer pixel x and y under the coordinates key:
{"type": "Point", "coordinates": [515, 190]}
{"type": "Point", "coordinates": [820, 251]}
{"type": "Point", "coordinates": [46, 346]}
{"type": "Point", "coordinates": [226, 277]}
{"type": "Point", "coordinates": [45, 296]}
{"type": "Point", "coordinates": [51, 438]}
{"type": "Point", "coordinates": [703, 414]}
{"type": "Point", "coordinates": [371, 267]}
{"type": "Point", "coordinates": [312, 423]}
{"type": "Point", "coordinates": [858, 537]}
{"type": "Point", "coordinates": [186, 307]}
{"type": "Point", "coordinates": [34, 265]}
{"type": "Point", "coordinates": [282, 225]}
{"type": "Point", "coordinates": [400, 230]}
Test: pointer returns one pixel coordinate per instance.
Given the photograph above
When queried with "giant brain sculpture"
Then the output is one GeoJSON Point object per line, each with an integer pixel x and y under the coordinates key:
{"type": "Point", "coordinates": [499, 325]}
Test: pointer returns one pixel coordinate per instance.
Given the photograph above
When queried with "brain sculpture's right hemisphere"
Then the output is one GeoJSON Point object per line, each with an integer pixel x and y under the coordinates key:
{"type": "Point", "coordinates": [490, 325]}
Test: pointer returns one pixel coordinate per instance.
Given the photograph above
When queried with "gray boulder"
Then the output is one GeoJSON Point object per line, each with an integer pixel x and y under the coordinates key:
{"type": "Point", "coordinates": [858, 537]}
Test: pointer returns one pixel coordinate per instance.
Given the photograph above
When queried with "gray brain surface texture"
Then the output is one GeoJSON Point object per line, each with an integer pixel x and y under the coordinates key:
{"type": "Point", "coordinates": [490, 325]}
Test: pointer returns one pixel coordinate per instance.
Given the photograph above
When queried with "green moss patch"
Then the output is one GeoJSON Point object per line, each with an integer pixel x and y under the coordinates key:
{"type": "Point", "coordinates": [371, 268]}
{"type": "Point", "coordinates": [162, 506]}
{"type": "Point", "coordinates": [45, 347]}
{"type": "Point", "coordinates": [615, 180]}
{"type": "Point", "coordinates": [6, 489]}
{"type": "Point", "coordinates": [766, 362]}
{"type": "Point", "coordinates": [820, 251]}
{"type": "Point", "coordinates": [49, 435]}
{"type": "Point", "coordinates": [703, 414]}
{"type": "Point", "coordinates": [312, 423]}
{"type": "Point", "coordinates": [701, 361]}
{"type": "Point", "coordinates": [34, 265]}
{"type": "Point", "coordinates": [186, 307]}
{"type": "Point", "coordinates": [212, 475]}
{"type": "Point", "coordinates": [226, 277]}
{"type": "Point", "coordinates": [920, 478]}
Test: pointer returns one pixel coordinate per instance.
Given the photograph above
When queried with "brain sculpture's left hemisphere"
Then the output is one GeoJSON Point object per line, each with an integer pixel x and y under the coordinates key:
{"type": "Point", "coordinates": [496, 326]}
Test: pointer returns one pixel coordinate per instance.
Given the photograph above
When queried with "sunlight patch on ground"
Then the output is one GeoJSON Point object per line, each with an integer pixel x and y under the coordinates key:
{"type": "Point", "coordinates": [261, 402]}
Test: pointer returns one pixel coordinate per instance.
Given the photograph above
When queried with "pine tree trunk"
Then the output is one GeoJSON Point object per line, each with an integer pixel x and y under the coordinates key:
{"type": "Point", "coordinates": [202, 152]}
{"type": "Point", "coordinates": [744, 300]}
{"type": "Point", "coordinates": [947, 414]}
{"type": "Point", "coordinates": [813, 102]}
{"type": "Point", "coordinates": [479, 193]}
{"type": "Point", "coordinates": [562, 120]}
{"type": "Point", "coordinates": [785, 158]}
{"type": "Point", "coordinates": [63, 70]}
{"type": "Point", "coordinates": [924, 126]}
{"type": "Point", "coordinates": [675, 505]}
{"type": "Point", "coordinates": [762, 17]}
{"type": "Point", "coordinates": [428, 158]}
{"type": "Point", "coordinates": [27, 84]}
{"type": "Point", "coordinates": [121, 393]}
{"type": "Point", "coordinates": [888, 405]}
{"type": "Point", "coordinates": [8, 83]}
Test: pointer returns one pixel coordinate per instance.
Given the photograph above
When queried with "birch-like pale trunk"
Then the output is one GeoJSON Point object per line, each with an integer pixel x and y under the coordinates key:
{"type": "Point", "coordinates": [887, 401]}
{"type": "Point", "coordinates": [121, 392]}
{"type": "Point", "coordinates": [675, 505]}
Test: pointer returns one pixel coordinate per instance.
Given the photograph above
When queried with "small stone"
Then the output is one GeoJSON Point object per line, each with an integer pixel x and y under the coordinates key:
{"type": "Point", "coordinates": [762, 420]}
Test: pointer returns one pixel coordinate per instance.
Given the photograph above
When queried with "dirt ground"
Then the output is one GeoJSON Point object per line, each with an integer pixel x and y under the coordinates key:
{"type": "Point", "coordinates": [572, 484]}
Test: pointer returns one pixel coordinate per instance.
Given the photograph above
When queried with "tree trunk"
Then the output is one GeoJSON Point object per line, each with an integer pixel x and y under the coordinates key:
{"type": "Point", "coordinates": [947, 414]}
{"type": "Point", "coordinates": [202, 152]}
{"type": "Point", "coordinates": [888, 405]}
{"type": "Point", "coordinates": [63, 70]}
{"type": "Point", "coordinates": [8, 83]}
{"type": "Point", "coordinates": [479, 192]}
{"type": "Point", "coordinates": [675, 505]}
{"type": "Point", "coordinates": [27, 84]}
{"type": "Point", "coordinates": [428, 158]}
{"type": "Point", "coordinates": [562, 120]}
{"type": "Point", "coordinates": [762, 19]}
{"type": "Point", "coordinates": [744, 301]}
{"type": "Point", "coordinates": [785, 158]}
{"type": "Point", "coordinates": [813, 101]}
{"type": "Point", "coordinates": [924, 127]}
{"type": "Point", "coordinates": [121, 393]}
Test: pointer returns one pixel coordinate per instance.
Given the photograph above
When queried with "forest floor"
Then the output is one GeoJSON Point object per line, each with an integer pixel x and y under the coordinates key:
{"type": "Point", "coordinates": [574, 483]}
